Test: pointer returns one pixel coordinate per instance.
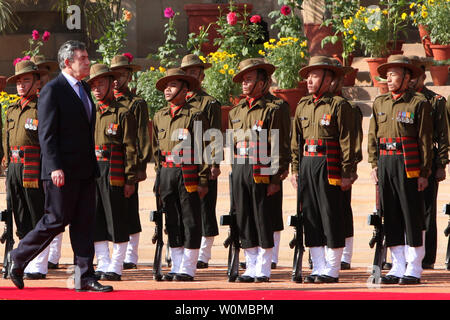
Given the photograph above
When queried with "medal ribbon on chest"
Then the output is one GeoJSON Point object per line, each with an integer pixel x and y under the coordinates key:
{"type": "Point", "coordinates": [258, 125]}
{"type": "Point", "coordinates": [326, 120]}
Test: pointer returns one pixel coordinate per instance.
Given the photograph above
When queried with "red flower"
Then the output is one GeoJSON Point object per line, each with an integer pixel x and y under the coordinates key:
{"type": "Point", "coordinates": [46, 36]}
{"type": "Point", "coordinates": [16, 61]}
{"type": "Point", "coordinates": [26, 58]}
{"type": "Point", "coordinates": [285, 10]}
{"type": "Point", "coordinates": [129, 56]}
{"type": "Point", "coordinates": [255, 19]}
{"type": "Point", "coordinates": [35, 35]}
{"type": "Point", "coordinates": [231, 18]}
{"type": "Point", "coordinates": [169, 13]}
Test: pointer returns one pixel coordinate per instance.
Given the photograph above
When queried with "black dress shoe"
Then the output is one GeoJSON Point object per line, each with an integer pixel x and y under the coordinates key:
{"type": "Point", "coordinates": [310, 279]}
{"type": "Point", "coordinates": [95, 286]}
{"type": "Point", "coordinates": [325, 279]}
{"type": "Point", "coordinates": [409, 280]}
{"type": "Point", "coordinates": [245, 279]}
{"type": "Point", "coordinates": [15, 273]}
{"type": "Point", "coordinates": [273, 265]}
{"type": "Point", "coordinates": [98, 275]}
{"type": "Point", "coordinates": [52, 265]}
{"type": "Point", "coordinates": [387, 266]}
{"type": "Point", "coordinates": [262, 279]}
{"type": "Point", "coordinates": [183, 277]}
{"type": "Point", "coordinates": [35, 276]}
{"type": "Point", "coordinates": [242, 265]}
{"type": "Point", "coordinates": [202, 265]}
{"type": "Point", "coordinates": [428, 266]}
{"type": "Point", "coordinates": [111, 276]}
{"type": "Point", "coordinates": [389, 279]}
{"type": "Point", "coordinates": [129, 265]}
{"type": "Point", "coordinates": [169, 276]}
{"type": "Point", "coordinates": [345, 265]}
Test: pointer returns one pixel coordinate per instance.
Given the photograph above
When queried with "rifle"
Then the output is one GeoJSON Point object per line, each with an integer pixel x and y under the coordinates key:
{"type": "Point", "coordinates": [157, 218]}
{"type": "Point", "coordinates": [446, 211]}
{"type": "Point", "coordinates": [7, 236]}
{"type": "Point", "coordinates": [297, 222]}
{"type": "Point", "coordinates": [376, 220]}
{"type": "Point", "coordinates": [232, 241]}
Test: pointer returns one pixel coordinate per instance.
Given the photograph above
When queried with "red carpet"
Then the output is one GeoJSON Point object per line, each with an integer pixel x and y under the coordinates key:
{"type": "Point", "coordinates": [11, 293]}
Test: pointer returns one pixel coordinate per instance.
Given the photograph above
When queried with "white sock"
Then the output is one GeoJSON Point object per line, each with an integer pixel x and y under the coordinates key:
{"type": "Point", "coordinates": [398, 261]}
{"type": "Point", "coordinates": [102, 254]}
{"type": "Point", "coordinates": [276, 246]}
{"type": "Point", "coordinates": [333, 262]}
{"type": "Point", "coordinates": [177, 256]}
{"type": "Point", "coordinates": [117, 258]}
{"type": "Point", "coordinates": [263, 262]}
{"type": "Point", "coordinates": [318, 260]}
{"type": "Point", "coordinates": [132, 248]}
{"type": "Point", "coordinates": [251, 255]}
{"type": "Point", "coordinates": [348, 250]}
{"type": "Point", "coordinates": [55, 249]}
{"type": "Point", "coordinates": [205, 249]}
{"type": "Point", "coordinates": [39, 263]}
{"type": "Point", "coordinates": [414, 259]}
{"type": "Point", "coordinates": [189, 262]}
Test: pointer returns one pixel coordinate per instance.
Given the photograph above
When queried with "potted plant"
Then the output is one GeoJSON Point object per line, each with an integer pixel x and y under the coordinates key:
{"type": "Point", "coordinates": [439, 72]}
{"type": "Point", "coordinates": [397, 19]}
{"type": "Point", "coordinates": [370, 26]}
{"type": "Point", "coordinates": [437, 22]}
{"type": "Point", "coordinates": [341, 18]}
{"type": "Point", "coordinates": [418, 16]}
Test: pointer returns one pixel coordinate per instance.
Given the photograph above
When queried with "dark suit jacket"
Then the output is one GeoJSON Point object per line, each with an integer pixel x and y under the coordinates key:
{"type": "Point", "coordinates": [65, 134]}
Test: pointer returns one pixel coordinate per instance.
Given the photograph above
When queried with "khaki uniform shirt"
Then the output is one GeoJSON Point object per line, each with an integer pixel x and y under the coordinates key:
{"type": "Point", "coordinates": [125, 135]}
{"type": "Point", "coordinates": [210, 107]}
{"type": "Point", "coordinates": [165, 127]}
{"type": "Point", "coordinates": [139, 108]}
{"type": "Point", "coordinates": [440, 125]}
{"type": "Point", "coordinates": [384, 124]}
{"type": "Point", "coordinates": [358, 135]}
{"type": "Point", "coordinates": [16, 134]}
{"type": "Point", "coordinates": [272, 112]}
{"type": "Point", "coordinates": [307, 125]}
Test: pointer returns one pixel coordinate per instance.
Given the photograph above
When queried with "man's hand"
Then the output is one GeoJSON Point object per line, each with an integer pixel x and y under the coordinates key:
{"type": "Point", "coordinates": [58, 178]}
{"type": "Point", "coordinates": [374, 175]}
{"type": "Point", "coordinates": [128, 190]}
{"type": "Point", "coordinates": [440, 174]}
{"type": "Point", "coordinates": [346, 184]}
{"type": "Point", "coordinates": [215, 172]}
{"type": "Point", "coordinates": [422, 183]}
{"type": "Point", "coordinates": [294, 179]}
{"type": "Point", "coordinates": [272, 189]}
{"type": "Point", "coordinates": [141, 176]}
{"type": "Point", "coordinates": [202, 191]}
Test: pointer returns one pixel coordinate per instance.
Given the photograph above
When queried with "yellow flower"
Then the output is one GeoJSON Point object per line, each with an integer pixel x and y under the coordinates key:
{"type": "Point", "coordinates": [424, 14]}
{"type": "Point", "coordinates": [272, 40]}
{"type": "Point", "coordinates": [354, 38]}
{"type": "Point", "coordinates": [202, 58]}
{"type": "Point", "coordinates": [225, 67]}
{"type": "Point", "coordinates": [152, 69]}
{"type": "Point", "coordinates": [350, 32]}
{"type": "Point", "coordinates": [261, 52]}
{"type": "Point", "coordinates": [366, 19]}
{"type": "Point", "coordinates": [304, 44]}
{"type": "Point", "coordinates": [411, 14]}
{"type": "Point", "coordinates": [378, 23]}
{"type": "Point", "coordinates": [222, 71]}
{"type": "Point", "coordinates": [162, 69]}
{"type": "Point", "coordinates": [412, 5]}
{"type": "Point", "coordinates": [302, 54]}
{"type": "Point", "coordinates": [385, 12]}
{"type": "Point", "coordinates": [345, 33]}
{"type": "Point", "coordinates": [404, 15]}
{"type": "Point", "coordinates": [231, 71]}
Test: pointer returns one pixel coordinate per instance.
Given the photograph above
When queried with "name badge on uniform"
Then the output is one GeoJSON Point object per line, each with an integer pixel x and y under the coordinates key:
{"type": "Point", "coordinates": [326, 120]}
{"type": "Point", "coordinates": [183, 134]}
{"type": "Point", "coordinates": [112, 129]}
{"type": "Point", "coordinates": [258, 125]}
{"type": "Point", "coordinates": [31, 124]}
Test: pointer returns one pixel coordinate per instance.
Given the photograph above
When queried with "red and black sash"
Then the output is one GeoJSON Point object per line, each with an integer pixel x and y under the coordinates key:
{"type": "Point", "coordinates": [409, 149]}
{"type": "Point", "coordinates": [114, 154]}
{"type": "Point", "coordinates": [249, 150]}
{"type": "Point", "coordinates": [332, 151]}
{"type": "Point", "coordinates": [189, 171]}
{"type": "Point", "coordinates": [30, 157]}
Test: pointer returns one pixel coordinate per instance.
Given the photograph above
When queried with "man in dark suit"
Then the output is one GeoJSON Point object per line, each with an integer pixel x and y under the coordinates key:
{"type": "Point", "coordinates": [69, 168]}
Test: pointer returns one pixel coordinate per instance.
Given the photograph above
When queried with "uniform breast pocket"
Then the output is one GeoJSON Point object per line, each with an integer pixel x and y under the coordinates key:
{"type": "Point", "coordinates": [304, 123]}
{"type": "Point", "coordinates": [10, 124]}
{"type": "Point", "coordinates": [381, 118]}
{"type": "Point", "coordinates": [161, 134]}
{"type": "Point", "coordinates": [236, 124]}
{"type": "Point", "coordinates": [328, 129]}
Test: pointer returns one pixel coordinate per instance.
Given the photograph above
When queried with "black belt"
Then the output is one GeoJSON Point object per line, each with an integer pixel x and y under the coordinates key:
{"type": "Point", "coordinates": [314, 148]}
{"type": "Point", "coordinates": [391, 146]}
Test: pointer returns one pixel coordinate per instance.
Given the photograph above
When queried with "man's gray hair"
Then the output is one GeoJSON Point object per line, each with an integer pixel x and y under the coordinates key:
{"type": "Point", "coordinates": [67, 51]}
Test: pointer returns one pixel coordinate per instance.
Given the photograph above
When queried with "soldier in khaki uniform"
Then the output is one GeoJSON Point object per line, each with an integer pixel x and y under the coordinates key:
{"type": "Point", "coordinates": [138, 107]}
{"type": "Point", "coordinates": [183, 176]}
{"type": "Point", "coordinates": [211, 108]}
{"type": "Point", "coordinates": [400, 152]}
{"type": "Point", "coordinates": [256, 172]}
{"type": "Point", "coordinates": [322, 130]}
{"type": "Point", "coordinates": [22, 153]}
{"type": "Point", "coordinates": [440, 159]}
{"type": "Point", "coordinates": [336, 87]}
{"type": "Point", "coordinates": [115, 148]}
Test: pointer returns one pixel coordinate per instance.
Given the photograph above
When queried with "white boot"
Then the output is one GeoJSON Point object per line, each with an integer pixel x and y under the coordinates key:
{"type": "Point", "coordinates": [414, 259]}
{"type": "Point", "coordinates": [117, 258]}
{"type": "Point", "coordinates": [39, 264]}
{"type": "Point", "coordinates": [55, 249]}
{"type": "Point", "coordinates": [251, 255]}
{"type": "Point", "coordinates": [102, 254]}
{"type": "Point", "coordinates": [276, 246]}
{"type": "Point", "coordinates": [205, 249]}
{"type": "Point", "coordinates": [132, 249]}
{"type": "Point", "coordinates": [398, 261]}
{"type": "Point", "coordinates": [333, 262]}
{"type": "Point", "coordinates": [263, 262]}
{"type": "Point", "coordinates": [177, 257]}
{"type": "Point", "coordinates": [348, 250]}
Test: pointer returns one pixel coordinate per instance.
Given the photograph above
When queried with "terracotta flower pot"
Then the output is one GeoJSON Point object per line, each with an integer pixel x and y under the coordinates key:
{"type": "Point", "coordinates": [225, 111]}
{"type": "Point", "coordinates": [292, 96]}
{"type": "Point", "coordinates": [373, 65]}
{"type": "Point", "coordinates": [315, 33]}
{"type": "Point", "coordinates": [440, 52]}
{"type": "Point", "coordinates": [425, 38]}
{"type": "Point", "coordinates": [439, 74]}
{"type": "Point", "coordinates": [350, 78]}
{"type": "Point", "coordinates": [202, 14]}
